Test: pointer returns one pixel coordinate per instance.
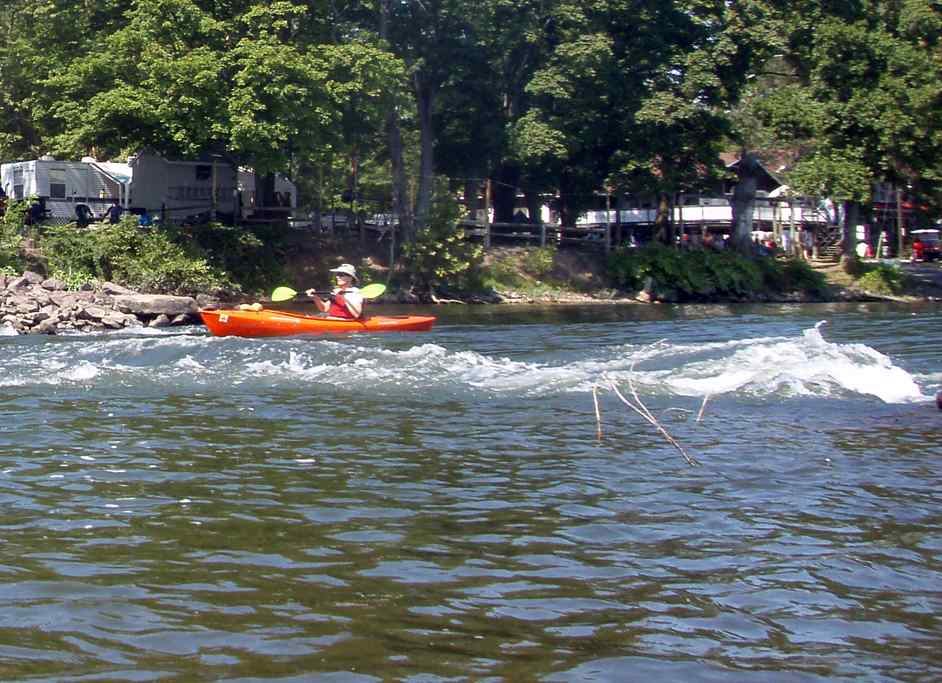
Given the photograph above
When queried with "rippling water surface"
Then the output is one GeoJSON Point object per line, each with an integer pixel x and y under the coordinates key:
{"type": "Point", "coordinates": [447, 506]}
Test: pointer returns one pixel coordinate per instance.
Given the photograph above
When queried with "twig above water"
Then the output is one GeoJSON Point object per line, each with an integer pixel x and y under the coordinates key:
{"type": "Point", "coordinates": [702, 408]}
{"type": "Point", "coordinates": [638, 406]}
{"type": "Point", "coordinates": [643, 411]}
{"type": "Point", "coordinates": [598, 414]}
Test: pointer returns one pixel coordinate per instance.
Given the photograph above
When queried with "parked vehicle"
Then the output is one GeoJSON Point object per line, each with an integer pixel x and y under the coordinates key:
{"type": "Point", "coordinates": [926, 245]}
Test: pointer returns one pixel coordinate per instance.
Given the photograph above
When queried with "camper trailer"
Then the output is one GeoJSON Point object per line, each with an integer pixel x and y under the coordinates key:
{"type": "Point", "coordinates": [67, 190]}
{"type": "Point", "coordinates": [170, 190]}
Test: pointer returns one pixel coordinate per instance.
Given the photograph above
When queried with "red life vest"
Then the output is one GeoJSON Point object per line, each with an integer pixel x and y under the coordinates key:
{"type": "Point", "coordinates": [338, 309]}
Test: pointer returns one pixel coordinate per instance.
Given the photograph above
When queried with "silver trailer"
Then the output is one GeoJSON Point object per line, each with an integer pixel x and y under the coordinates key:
{"type": "Point", "coordinates": [67, 190]}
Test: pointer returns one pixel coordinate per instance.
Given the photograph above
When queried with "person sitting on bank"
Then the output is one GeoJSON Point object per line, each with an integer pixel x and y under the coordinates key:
{"type": "Point", "coordinates": [344, 301]}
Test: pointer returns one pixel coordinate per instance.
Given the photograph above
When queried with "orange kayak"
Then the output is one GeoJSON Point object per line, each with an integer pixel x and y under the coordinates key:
{"type": "Point", "coordinates": [268, 323]}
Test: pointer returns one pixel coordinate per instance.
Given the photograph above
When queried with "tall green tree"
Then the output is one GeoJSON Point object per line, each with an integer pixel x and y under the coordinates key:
{"type": "Point", "coordinates": [864, 103]}
{"type": "Point", "coordinates": [263, 83]}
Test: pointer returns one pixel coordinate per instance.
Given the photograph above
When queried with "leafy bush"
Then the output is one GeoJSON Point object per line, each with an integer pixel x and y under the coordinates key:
{"type": "Point", "coordinates": [502, 275]}
{"type": "Point", "coordinates": [12, 226]}
{"type": "Point", "coordinates": [799, 276]}
{"type": "Point", "coordinates": [703, 274]}
{"type": "Point", "coordinates": [693, 275]}
{"type": "Point", "coordinates": [440, 251]}
{"type": "Point", "coordinates": [250, 255]}
{"type": "Point", "coordinates": [883, 279]}
{"type": "Point", "coordinates": [147, 260]}
{"type": "Point", "coordinates": [539, 261]}
{"type": "Point", "coordinates": [73, 279]}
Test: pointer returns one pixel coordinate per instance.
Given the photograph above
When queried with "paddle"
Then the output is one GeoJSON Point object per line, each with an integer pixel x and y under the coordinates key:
{"type": "Point", "coordinates": [369, 292]}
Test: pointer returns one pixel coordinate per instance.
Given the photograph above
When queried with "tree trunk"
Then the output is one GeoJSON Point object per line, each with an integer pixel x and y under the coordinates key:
{"type": "Point", "coordinates": [472, 197]}
{"type": "Point", "coordinates": [265, 198]}
{"type": "Point", "coordinates": [505, 192]}
{"type": "Point", "coordinates": [744, 201]}
{"type": "Point", "coordinates": [663, 230]}
{"type": "Point", "coordinates": [534, 205]}
{"type": "Point", "coordinates": [849, 232]}
{"type": "Point", "coordinates": [400, 199]}
{"type": "Point", "coordinates": [425, 100]}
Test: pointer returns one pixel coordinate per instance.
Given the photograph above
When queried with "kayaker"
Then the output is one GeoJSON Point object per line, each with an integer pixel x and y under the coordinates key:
{"type": "Point", "coordinates": [344, 301]}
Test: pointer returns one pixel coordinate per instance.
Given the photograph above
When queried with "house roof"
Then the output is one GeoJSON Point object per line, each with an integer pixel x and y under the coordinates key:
{"type": "Point", "coordinates": [767, 180]}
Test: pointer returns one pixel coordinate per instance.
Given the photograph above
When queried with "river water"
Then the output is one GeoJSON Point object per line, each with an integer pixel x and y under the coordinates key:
{"type": "Point", "coordinates": [448, 506]}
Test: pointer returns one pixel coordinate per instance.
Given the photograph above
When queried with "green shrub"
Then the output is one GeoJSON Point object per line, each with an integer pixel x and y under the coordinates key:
{"type": "Point", "coordinates": [156, 260]}
{"type": "Point", "coordinates": [12, 229]}
{"type": "Point", "coordinates": [883, 279]}
{"type": "Point", "coordinates": [73, 279]}
{"type": "Point", "coordinates": [252, 256]}
{"type": "Point", "coordinates": [695, 275]}
{"type": "Point", "coordinates": [440, 252]}
{"type": "Point", "coordinates": [539, 261]}
{"type": "Point", "coordinates": [502, 275]}
{"type": "Point", "coordinates": [703, 274]}
{"type": "Point", "coordinates": [799, 276]}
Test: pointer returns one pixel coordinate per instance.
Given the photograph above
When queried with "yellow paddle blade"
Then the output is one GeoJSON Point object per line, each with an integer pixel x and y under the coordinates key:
{"type": "Point", "coordinates": [369, 292]}
{"type": "Point", "coordinates": [372, 291]}
{"type": "Point", "coordinates": [283, 294]}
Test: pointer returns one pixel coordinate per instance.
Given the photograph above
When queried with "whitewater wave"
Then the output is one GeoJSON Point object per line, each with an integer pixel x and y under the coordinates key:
{"type": "Point", "coordinates": [763, 367]}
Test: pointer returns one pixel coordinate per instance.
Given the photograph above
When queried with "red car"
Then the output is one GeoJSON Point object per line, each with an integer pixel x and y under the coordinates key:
{"type": "Point", "coordinates": [926, 245]}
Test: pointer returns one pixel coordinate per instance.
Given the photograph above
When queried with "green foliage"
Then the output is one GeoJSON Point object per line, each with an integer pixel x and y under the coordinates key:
{"type": "Point", "coordinates": [791, 275]}
{"type": "Point", "coordinates": [74, 279]}
{"type": "Point", "coordinates": [539, 261]}
{"type": "Point", "coordinates": [523, 271]}
{"type": "Point", "coordinates": [550, 96]}
{"type": "Point", "coordinates": [801, 277]}
{"type": "Point", "coordinates": [12, 226]}
{"type": "Point", "coordinates": [703, 274]}
{"type": "Point", "coordinates": [440, 251]}
{"type": "Point", "coordinates": [883, 279]}
{"type": "Point", "coordinates": [694, 275]}
{"type": "Point", "coordinates": [503, 274]}
{"type": "Point", "coordinates": [252, 257]}
{"type": "Point", "coordinates": [147, 260]}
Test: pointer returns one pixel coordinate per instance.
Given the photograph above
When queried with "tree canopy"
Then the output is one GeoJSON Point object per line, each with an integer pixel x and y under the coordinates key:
{"type": "Point", "coordinates": [558, 98]}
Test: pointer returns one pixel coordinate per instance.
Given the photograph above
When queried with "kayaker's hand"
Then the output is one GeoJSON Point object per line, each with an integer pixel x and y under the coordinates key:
{"type": "Point", "coordinates": [312, 293]}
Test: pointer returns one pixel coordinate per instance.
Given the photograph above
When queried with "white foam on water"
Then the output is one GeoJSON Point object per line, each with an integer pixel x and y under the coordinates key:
{"type": "Point", "coordinates": [807, 366]}
{"type": "Point", "coordinates": [800, 365]}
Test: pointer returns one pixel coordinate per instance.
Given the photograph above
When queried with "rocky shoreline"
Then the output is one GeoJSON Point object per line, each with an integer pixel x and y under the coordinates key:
{"type": "Point", "coordinates": [32, 304]}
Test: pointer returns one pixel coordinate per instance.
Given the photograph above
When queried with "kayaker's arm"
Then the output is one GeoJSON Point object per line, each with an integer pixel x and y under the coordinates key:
{"type": "Point", "coordinates": [353, 303]}
{"type": "Point", "coordinates": [322, 305]}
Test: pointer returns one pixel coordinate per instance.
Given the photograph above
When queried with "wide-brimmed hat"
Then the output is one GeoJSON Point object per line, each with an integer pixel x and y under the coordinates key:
{"type": "Point", "coordinates": [346, 269]}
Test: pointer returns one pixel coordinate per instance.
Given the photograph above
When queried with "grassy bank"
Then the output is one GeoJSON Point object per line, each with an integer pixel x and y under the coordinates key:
{"type": "Point", "coordinates": [243, 263]}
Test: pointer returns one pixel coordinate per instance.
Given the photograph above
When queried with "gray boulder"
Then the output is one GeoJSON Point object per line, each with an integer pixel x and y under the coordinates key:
{"type": "Point", "coordinates": [53, 285]}
{"type": "Point", "coordinates": [25, 280]}
{"type": "Point", "coordinates": [149, 305]}
{"type": "Point", "coordinates": [161, 320]}
{"type": "Point", "coordinates": [114, 289]}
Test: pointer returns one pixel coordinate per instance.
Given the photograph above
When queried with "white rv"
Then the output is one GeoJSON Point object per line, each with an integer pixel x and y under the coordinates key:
{"type": "Point", "coordinates": [66, 188]}
{"type": "Point", "coordinates": [170, 190]}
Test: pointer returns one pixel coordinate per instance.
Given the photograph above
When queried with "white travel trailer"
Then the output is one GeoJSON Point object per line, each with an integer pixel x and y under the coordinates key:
{"type": "Point", "coordinates": [68, 190]}
{"type": "Point", "coordinates": [170, 190]}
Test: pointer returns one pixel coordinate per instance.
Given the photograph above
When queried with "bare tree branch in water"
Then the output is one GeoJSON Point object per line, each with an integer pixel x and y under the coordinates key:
{"type": "Point", "coordinates": [702, 408]}
{"type": "Point", "coordinates": [598, 414]}
{"type": "Point", "coordinates": [637, 405]}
